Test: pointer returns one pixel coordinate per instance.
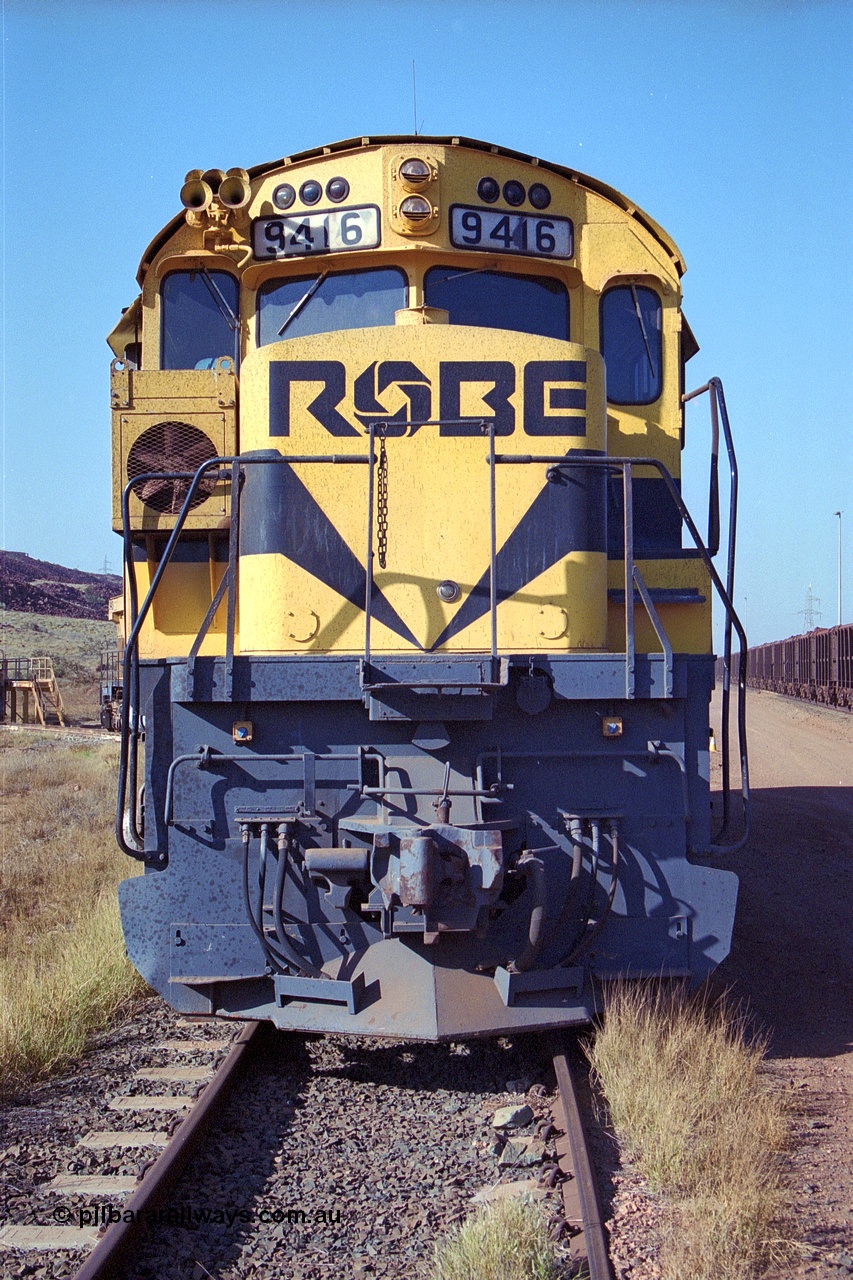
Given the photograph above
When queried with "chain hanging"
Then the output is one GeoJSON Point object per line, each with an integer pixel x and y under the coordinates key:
{"type": "Point", "coordinates": [382, 499]}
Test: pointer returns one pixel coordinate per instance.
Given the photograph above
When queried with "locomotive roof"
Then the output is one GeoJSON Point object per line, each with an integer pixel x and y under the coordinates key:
{"type": "Point", "coordinates": [474, 144]}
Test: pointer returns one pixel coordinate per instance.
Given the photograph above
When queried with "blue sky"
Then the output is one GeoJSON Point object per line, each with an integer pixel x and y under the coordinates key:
{"type": "Point", "coordinates": [730, 124]}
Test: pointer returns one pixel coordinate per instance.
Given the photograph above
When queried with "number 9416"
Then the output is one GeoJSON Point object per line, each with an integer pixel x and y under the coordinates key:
{"type": "Point", "coordinates": [497, 231]}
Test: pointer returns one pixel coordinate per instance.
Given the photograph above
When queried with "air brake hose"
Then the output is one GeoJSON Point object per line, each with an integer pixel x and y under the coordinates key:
{"type": "Point", "coordinates": [278, 954]}
{"type": "Point", "coordinates": [290, 953]}
{"type": "Point", "coordinates": [576, 836]}
{"type": "Point", "coordinates": [534, 869]}
{"type": "Point", "coordinates": [585, 942]}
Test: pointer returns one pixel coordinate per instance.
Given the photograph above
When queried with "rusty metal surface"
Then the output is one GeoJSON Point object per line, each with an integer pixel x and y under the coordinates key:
{"type": "Point", "coordinates": [580, 1195]}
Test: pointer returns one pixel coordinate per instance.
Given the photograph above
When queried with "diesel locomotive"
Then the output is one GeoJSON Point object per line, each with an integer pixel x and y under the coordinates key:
{"type": "Point", "coordinates": [418, 661]}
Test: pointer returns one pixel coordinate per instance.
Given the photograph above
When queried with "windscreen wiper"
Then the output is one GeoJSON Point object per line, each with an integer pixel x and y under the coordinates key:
{"type": "Point", "coordinates": [477, 271]}
{"type": "Point", "coordinates": [306, 298]}
{"type": "Point", "coordinates": [220, 301]}
{"type": "Point", "coordinates": [643, 329]}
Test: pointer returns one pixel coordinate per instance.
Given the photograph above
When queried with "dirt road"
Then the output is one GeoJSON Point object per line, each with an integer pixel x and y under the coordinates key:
{"type": "Point", "coordinates": [792, 951]}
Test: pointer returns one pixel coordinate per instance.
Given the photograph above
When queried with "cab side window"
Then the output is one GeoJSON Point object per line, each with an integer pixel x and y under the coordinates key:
{"type": "Point", "coordinates": [631, 344]}
{"type": "Point", "coordinates": [199, 319]}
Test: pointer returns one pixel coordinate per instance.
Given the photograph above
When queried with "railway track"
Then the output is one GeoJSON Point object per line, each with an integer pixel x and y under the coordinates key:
{"type": "Point", "coordinates": [119, 1242]}
{"type": "Point", "coordinates": [180, 1060]}
{"type": "Point", "coordinates": [581, 1206]}
{"type": "Point", "coordinates": [366, 1130]}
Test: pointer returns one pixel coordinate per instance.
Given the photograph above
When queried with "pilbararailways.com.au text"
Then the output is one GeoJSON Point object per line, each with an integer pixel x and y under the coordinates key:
{"type": "Point", "coordinates": [191, 1215]}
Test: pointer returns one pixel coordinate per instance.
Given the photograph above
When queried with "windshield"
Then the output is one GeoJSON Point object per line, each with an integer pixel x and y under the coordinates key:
{"type": "Point", "coordinates": [198, 317]}
{"type": "Point", "coordinates": [499, 300]}
{"type": "Point", "coordinates": [324, 302]}
{"type": "Point", "coordinates": [631, 344]}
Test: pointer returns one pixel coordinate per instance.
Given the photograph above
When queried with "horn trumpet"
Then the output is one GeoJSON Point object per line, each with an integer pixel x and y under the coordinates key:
{"type": "Point", "coordinates": [196, 193]}
{"type": "Point", "coordinates": [234, 190]}
{"type": "Point", "coordinates": [213, 178]}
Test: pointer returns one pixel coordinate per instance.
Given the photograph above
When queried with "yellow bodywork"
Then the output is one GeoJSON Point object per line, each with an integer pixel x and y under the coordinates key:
{"type": "Point", "coordinates": [438, 504]}
{"type": "Point", "coordinates": [438, 500]}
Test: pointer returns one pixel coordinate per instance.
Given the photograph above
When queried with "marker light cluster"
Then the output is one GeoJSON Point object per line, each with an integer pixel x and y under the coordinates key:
{"type": "Point", "coordinates": [337, 189]}
{"type": "Point", "coordinates": [415, 197]}
{"type": "Point", "coordinates": [489, 190]}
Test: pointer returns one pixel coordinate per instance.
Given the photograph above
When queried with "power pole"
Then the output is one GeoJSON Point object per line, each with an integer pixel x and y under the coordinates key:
{"type": "Point", "coordinates": [811, 613]}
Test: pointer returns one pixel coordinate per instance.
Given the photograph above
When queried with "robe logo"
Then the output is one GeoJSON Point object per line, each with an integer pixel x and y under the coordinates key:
{"type": "Point", "coordinates": [544, 394]}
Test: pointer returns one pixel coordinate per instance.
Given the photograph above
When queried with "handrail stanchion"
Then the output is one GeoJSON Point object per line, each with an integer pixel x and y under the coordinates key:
{"type": "Point", "coordinates": [719, 414]}
{"type": "Point", "coordinates": [717, 396]}
{"type": "Point", "coordinates": [493, 552]}
{"type": "Point", "coordinates": [368, 564]}
{"type": "Point", "coordinates": [628, 503]}
{"type": "Point", "coordinates": [233, 559]}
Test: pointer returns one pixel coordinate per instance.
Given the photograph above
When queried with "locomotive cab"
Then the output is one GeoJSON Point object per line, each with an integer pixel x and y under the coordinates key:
{"type": "Point", "coordinates": [422, 664]}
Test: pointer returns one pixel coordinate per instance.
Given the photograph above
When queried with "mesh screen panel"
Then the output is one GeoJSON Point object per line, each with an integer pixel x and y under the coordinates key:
{"type": "Point", "coordinates": [170, 446]}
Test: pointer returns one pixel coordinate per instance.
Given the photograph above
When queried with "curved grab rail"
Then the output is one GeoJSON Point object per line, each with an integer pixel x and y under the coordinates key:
{"type": "Point", "coordinates": [719, 414]}
{"type": "Point", "coordinates": [131, 729]}
{"type": "Point", "coordinates": [626, 465]}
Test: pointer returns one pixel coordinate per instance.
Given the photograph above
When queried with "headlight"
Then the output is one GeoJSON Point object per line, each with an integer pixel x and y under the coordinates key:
{"type": "Point", "coordinates": [514, 192]}
{"type": "Point", "coordinates": [416, 209]}
{"type": "Point", "coordinates": [415, 172]}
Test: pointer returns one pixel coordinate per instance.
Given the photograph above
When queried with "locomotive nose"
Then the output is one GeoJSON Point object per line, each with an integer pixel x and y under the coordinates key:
{"type": "Point", "coordinates": [407, 538]}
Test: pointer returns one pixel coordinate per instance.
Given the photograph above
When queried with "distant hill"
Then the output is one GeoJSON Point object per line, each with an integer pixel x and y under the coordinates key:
{"type": "Point", "coordinates": [37, 586]}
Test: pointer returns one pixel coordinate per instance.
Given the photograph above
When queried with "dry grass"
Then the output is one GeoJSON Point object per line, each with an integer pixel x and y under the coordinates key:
{"type": "Point", "coordinates": [687, 1098]}
{"type": "Point", "coordinates": [507, 1241]}
{"type": "Point", "coordinates": [63, 971]}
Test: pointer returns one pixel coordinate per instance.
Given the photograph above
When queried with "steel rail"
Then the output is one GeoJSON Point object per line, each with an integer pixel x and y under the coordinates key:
{"type": "Point", "coordinates": [106, 1258]}
{"type": "Point", "coordinates": [598, 1262]}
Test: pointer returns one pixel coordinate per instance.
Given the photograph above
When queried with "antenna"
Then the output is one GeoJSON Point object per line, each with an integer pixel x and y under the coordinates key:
{"type": "Point", "coordinates": [414, 97]}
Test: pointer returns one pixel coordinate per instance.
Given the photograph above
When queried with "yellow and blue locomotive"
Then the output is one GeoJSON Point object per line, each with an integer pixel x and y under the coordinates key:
{"type": "Point", "coordinates": [421, 665]}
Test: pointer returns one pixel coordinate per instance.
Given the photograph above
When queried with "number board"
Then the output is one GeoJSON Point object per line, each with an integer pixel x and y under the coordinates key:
{"type": "Point", "coordinates": [498, 231]}
{"type": "Point", "coordinates": [326, 231]}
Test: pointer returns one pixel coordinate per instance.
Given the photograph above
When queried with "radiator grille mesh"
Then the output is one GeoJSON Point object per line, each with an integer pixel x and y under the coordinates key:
{"type": "Point", "coordinates": [170, 446]}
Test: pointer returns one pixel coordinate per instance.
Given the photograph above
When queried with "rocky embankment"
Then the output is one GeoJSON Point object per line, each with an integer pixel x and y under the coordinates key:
{"type": "Point", "coordinates": [37, 586]}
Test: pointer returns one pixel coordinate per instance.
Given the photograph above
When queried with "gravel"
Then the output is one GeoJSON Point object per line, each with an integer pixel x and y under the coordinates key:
{"type": "Point", "coordinates": [332, 1158]}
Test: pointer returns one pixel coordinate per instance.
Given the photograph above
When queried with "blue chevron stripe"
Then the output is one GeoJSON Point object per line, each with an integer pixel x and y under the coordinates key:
{"type": "Point", "coordinates": [567, 515]}
{"type": "Point", "coordinates": [278, 514]}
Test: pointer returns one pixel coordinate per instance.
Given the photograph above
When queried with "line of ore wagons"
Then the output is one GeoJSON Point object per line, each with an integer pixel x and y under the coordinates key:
{"type": "Point", "coordinates": [817, 666]}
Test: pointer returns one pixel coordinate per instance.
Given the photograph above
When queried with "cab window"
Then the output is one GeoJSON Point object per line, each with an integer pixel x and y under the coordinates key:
{"type": "Point", "coordinates": [500, 300]}
{"type": "Point", "coordinates": [326, 301]}
{"type": "Point", "coordinates": [631, 344]}
{"type": "Point", "coordinates": [199, 319]}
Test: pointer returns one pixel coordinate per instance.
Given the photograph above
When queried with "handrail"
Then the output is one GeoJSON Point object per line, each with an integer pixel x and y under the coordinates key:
{"type": "Point", "coordinates": [626, 465]}
{"type": "Point", "coordinates": [131, 726]}
{"type": "Point", "coordinates": [718, 405]}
